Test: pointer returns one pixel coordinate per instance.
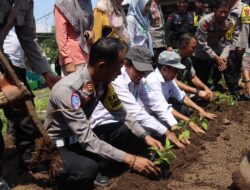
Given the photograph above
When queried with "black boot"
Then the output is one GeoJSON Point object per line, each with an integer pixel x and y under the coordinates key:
{"type": "Point", "coordinates": [234, 91]}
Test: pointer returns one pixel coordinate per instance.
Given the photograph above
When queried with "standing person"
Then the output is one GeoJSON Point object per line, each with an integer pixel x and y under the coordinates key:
{"type": "Point", "coordinates": [19, 13]}
{"type": "Point", "coordinates": [239, 13]}
{"type": "Point", "coordinates": [198, 12]}
{"type": "Point", "coordinates": [157, 28]}
{"type": "Point", "coordinates": [110, 20]}
{"type": "Point", "coordinates": [186, 46]}
{"type": "Point", "coordinates": [71, 104]}
{"type": "Point", "coordinates": [213, 46]}
{"type": "Point", "coordinates": [178, 23]}
{"type": "Point", "coordinates": [138, 23]}
{"type": "Point", "coordinates": [73, 30]}
{"type": "Point", "coordinates": [246, 73]}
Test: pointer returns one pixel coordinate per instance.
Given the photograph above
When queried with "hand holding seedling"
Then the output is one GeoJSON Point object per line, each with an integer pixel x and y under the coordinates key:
{"type": "Point", "coordinates": [152, 142]}
{"type": "Point", "coordinates": [141, 165]}
{"type": "Point", "coordinates": [172, 137]}
{"type": "Point", "coordinates": [195, 127]}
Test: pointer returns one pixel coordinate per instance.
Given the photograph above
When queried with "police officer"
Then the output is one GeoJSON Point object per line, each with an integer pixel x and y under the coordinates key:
{"type": "Point", "coordinates": [179, 22]}
{"type": "Point", "coordinates": [240, 14]}
{"type": "Point", "coordinates": [198, 12]}
{"type": "Point", "coordinates": [19, 13]}
{"type": "Point", "coordinates": [71, 104]}
{"type": "Point", "coordinates": [213, 47]}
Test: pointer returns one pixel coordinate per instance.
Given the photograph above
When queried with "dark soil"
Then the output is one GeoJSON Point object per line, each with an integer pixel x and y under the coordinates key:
{"type": "Point", "coordinates": [206, 164]}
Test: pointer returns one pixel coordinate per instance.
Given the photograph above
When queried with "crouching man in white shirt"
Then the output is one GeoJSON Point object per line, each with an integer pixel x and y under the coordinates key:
{"type": "Point", "coordinates": [161, 86]}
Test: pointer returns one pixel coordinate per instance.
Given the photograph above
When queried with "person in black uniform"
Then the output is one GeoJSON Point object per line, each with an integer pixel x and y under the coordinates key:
{"type": "Point", "coordinates": [178, 23]}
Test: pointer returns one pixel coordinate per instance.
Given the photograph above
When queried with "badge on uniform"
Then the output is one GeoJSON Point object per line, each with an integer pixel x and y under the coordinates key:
{"type": "Point", "coordinates": [88, 88]}
{"type": "Point", "coordinates": [75, 100]}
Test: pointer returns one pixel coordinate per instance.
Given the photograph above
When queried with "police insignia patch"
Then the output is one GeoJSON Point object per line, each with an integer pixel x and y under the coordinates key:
{"type": "Point", "coordinates": [75, 101]}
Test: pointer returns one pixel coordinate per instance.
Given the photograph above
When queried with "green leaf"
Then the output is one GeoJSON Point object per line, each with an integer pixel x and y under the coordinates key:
{"type": "Point", "coordinates": [166, 160]}
{"type": "Point", "coordinates": [157, 162]}
{"type": "Point", "coordinates": [204, 125]}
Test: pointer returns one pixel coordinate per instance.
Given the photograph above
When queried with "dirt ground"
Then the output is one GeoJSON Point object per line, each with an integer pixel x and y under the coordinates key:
{"type": "Point", "coordinates": [206, 164]}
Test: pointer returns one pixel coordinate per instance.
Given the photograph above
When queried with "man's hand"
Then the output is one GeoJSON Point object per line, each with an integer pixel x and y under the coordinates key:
{"type": "Point", "coordinates": [195, 128]}
{"type": "Point", "coordinates": [141, 165]}
{"type": "Point", "coordinates": [206, 94]}
{"type": "Point", "coordinates": [50, 79]}
{"type": "Point", "coordinates": [152, 142]}
{"type": "Point", "coordinates": [208, 115]}
{"type": "Point", "coordinates": [221, 63]}
{"type": "Point", "coordinates": [172, 137]}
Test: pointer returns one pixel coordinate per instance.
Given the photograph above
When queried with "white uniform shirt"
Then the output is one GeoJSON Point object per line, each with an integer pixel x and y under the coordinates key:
{"type": "Point", "coordinates": [159, 91]}
{"type": "Point", "coordinates": [13, 49]}
{"type": "Point", "coordinates": [131, 97]}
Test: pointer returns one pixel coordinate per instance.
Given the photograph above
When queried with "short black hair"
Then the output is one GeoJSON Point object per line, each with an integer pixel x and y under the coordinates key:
{"type": "Point", "coordinates": [105, 49]}
{"type": "Point", "coordinates": [184, 40]}
{"type": "Point", "coordinates": [216, 4]}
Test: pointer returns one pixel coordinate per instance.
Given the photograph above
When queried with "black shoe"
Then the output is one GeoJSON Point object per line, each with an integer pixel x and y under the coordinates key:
{"type": "Point", "coordinates": [245, 97]}
{"type": "Point", "coordinates": [3, 184]}
{"type": "Point", "coordinates": [101, 181]}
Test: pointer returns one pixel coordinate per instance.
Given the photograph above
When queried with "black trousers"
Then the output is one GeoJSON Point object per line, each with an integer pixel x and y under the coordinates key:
{"type": "Point", "coordinates": [203, 69]}
{"type": "Point", "coordinates": [81, 167]}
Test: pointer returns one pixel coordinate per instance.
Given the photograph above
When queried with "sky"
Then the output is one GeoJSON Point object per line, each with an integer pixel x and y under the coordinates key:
{"type": "Point", "coordinates": [43, 11]}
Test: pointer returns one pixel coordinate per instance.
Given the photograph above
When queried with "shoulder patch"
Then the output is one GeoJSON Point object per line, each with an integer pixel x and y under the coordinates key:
{"type": "Point", "coordinates": [206, 25]}
{"type": "Point", "coordinates": [75, 101]}
{"type": "Point", "coordinates": [245, 15]}
{"type": "Point", "coordinates": [147, 87]}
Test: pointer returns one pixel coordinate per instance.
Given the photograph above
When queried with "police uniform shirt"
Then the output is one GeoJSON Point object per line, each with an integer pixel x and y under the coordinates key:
{"type": "Point", "coordinates": [211, 40]}
{"type": "Point", "coordinates": [240, 13]}
{"type": "Point", "coordinates": [159, 91]}
{"type": "Point", "coordinates": [71, 103]}
{"type": "Point", "coordinates": [133, 98]}
{"type": "Point", "coordinates": [21, 12]}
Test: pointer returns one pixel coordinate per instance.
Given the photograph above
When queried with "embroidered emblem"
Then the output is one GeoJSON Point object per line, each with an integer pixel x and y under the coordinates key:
{"type": "Point", "coordinates": [75, 100]}
{"type": "Point", "coordinates": [88, 88]}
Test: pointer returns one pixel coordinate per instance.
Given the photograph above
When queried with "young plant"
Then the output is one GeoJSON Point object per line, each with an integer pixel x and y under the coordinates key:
{"type": "Point", "coordinates": [163, 156]}
{"type": "Point", "coordinates": [185, 133]}
{"type": "Point", "coordinates": [225, 98]}
{"type": "Point", "coordinates": [201, 121]}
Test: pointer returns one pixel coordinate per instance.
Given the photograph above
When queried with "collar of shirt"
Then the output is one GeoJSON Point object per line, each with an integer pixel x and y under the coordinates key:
{"type": "Point", "coordinates": [124, 78]}
{"type": "Point", "coordinates": [159, 75]}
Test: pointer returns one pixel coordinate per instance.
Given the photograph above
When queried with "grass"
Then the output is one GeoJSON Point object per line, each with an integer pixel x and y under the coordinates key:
{"type": "Point", "coordinates": [41, 102]}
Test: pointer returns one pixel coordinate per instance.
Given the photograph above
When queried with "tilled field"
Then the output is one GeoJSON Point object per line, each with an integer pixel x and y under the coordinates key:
{"type": "Point", "coordinates": [206, 164]}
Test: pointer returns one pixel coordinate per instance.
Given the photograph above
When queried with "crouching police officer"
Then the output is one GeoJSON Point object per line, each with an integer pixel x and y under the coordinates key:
{"type": "Point", "coordinates": [71, 104]}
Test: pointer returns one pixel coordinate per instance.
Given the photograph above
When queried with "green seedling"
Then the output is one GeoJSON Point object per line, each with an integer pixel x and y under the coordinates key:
{"type": "Point", "coordinates": [225, 98]}
{"type": "Point", "coordinates": [201, 121]}
{"type": "Point", "coordinates": [163, 156]}
{"type": "Point", "coordinates": [185, 133]}
{"type": "Point", "coordinates": [184, 136]}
